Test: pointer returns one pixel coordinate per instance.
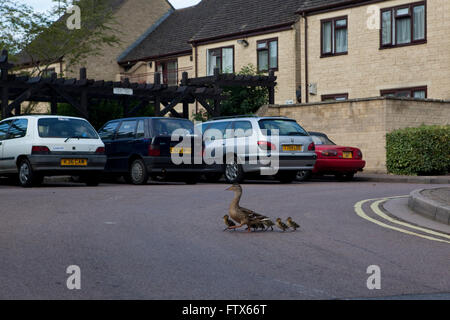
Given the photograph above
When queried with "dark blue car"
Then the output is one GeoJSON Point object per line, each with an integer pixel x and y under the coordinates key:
{"type": "Point", "coordinates": [139, 148]}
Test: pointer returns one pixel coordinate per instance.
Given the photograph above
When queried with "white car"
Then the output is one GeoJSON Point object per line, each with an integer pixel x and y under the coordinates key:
{"type": "Point", "coordinates": [32, 147]}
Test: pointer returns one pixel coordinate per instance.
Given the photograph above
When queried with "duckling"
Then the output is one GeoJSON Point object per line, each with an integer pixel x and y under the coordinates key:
{"type": "Point", "coordinates": [291, 223]}
{"type": "Point", "coordinates": [228, 222]}
{"type": "Point", "coordinates": [280, 224]}
{"type": "Point", "coordinates": [269, 224]}
{"type": "Point", "coordinates": [241, 215]}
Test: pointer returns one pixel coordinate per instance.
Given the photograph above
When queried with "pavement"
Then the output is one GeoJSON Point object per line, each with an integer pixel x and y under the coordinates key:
{"type": "Point", "coordinates": [432, 203]}
{"type": "Point", "coordinates": [391, 178]}
{"type": "Point", "coordinates": [166, 241]}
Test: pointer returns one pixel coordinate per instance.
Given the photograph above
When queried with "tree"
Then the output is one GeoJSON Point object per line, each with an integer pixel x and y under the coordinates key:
{"type": "Point", "coordinates": [42, 39]}
{"type": "Point", "coordinates": [240, 100]}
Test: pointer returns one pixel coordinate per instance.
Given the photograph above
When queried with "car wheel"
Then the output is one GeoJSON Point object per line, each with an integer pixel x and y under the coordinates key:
{"type": "Point", "coordinates": [286, 176]}
{"type": "Point", "coordinates": [27, 177]}
{"type": "Point", "coordinates": [233, 172]}
{"type": "Point", "coordinates": [303, 175]}
{"type": "Point", "coordinates": [138, 174]}
{"type": "Point", "coordinates": [213, 177]}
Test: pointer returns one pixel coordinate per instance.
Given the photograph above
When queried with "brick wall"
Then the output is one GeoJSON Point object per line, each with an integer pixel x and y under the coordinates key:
{"type": "Point", "coordinates": [363, 123]}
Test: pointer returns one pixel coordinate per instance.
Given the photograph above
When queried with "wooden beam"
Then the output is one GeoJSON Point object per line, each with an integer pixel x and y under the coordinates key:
{"type": "Point", "coordinates": [70, 100]}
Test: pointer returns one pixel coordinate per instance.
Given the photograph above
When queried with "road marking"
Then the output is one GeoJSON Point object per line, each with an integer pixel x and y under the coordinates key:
{"type": "Point", "coordinates": [360, 212]}
{"type": "Point", "coordinates": [376, 208]}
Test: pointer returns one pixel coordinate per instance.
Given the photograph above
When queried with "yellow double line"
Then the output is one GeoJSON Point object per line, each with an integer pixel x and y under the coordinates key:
{"type": "Point", "coordinates": [376, 209]}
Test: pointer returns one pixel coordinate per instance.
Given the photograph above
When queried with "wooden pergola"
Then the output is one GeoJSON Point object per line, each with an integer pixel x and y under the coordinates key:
{"type": "Point", "coordinates": [208, 91]}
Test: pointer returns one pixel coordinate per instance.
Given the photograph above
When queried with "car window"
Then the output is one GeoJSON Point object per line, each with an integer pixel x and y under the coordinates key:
{"type": "Point", "coordinates": [166, 127]}
{"type": "Point", "coordinates": [127, 130]}
{"type": "Point", "coordinates": [221, 127]}
{"type": "Point", "coordinates": [108, 130]}
{"type": "Point", "coordinates": [18, 129]}
{"type": "Point", "coordinates": [243, 129]}
{"type": "Point", "coordinates": [66, 128]}
{"type": "Point", "coordinates": [140, 132]}
{"type": "Point", "coordinates": [4, 127]}
{"type": "Point", "coordinates": [322, 140]}
{"type": "Point", "coordinates": [284, 127]}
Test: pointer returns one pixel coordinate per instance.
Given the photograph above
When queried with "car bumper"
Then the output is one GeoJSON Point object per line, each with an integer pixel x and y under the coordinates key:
{"type": "Point", "coordinates": [340, 165]}
{"type": "Point", "coordinates": [52, 163]}
{"type": "Point", "coordinates": [284, 163]}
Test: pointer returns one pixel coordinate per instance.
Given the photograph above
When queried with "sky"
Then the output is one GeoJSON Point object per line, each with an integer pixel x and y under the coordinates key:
{"type": "Point", "coordinates": [43, 5]}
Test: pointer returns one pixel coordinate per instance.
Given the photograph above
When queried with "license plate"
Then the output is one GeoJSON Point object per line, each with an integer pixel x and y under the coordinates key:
{"type": "Point", "coordinates": [179, 150]}
{"type": "Point", "coordinates": [74, 162]}
{"type": "Point", "coordinates": [293, 147]}
{"type": "Point", "coordinates": [347, 155]}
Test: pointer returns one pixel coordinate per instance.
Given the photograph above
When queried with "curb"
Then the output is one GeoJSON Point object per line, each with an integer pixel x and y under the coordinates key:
{"type": "Point", "coordinates": [403, 179]}
{"type": "Point", "coordinates": [428, 208]}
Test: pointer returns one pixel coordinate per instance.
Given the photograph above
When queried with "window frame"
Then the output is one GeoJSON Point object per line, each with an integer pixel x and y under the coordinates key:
{"type": "Point", "coordinates": [329, 97]}
{"type": "Point", "coordinates": [411, 90]}
{"type": "Point", "coordinates": [165, 73]}
{"type": "Point", "coordinates": [333, 36]}
{"type": "Point", "coordinates": [117, 137]}
{"type": "Point", "coordinates": [395, 16]}
{"type": "Point", "coordinates": [268, 42]}
{"type": "Point", "coordinates": [221, 58]}
{"type": "Point", "coordinates": [9, 137]}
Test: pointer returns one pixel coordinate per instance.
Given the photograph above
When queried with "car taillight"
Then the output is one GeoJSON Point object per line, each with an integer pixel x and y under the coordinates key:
{"type": "Point", "coordinates": [40, 150]}
{"type": "Point", "coordinates": [359, 153]}
{"type": "Point", "coordinates": [266, 145]}
{"type": "Point", "coordinates": [329, 153]}
{"type": "Point", "coordinates": [312, 147]}
{"type": "Point", "coordinates": [154, 151]}
{"type": "Point", "coordinates": [100, 150]}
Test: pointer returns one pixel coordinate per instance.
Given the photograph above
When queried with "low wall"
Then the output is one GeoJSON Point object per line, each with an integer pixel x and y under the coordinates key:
{"type": "Point", "coordinates": [363, 123]}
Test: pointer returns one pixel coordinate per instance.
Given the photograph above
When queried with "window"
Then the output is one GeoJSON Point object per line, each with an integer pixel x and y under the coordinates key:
{"type": "Point", "coordinates": [168, 71]}
{"type": "Point", "coordinates": [48, 72]}
{"type": "Point", "coordinates": [108, 131]}
{"type": "Point", "coordinates": [166, 127]}
{"type": "Point", "coordinates": [140, 132]}
{"type": "Point", "coordinates": [66, 128]}
{"type": "Point", "coordinates": [243, 129]}
{"type": "Point", "coordinates": [218, 128]}
{"type": "Point", "coordinates": [4, 127]}
{"type": "Point", "coordinates": [127, 130]}
{"type": "Point", "coordinates": [18, 129]}
{"type": "Point", "coordinates": [267, 55]}
{"type": "Point", "coordinates": [334, 36]}
{"type": "Point", "coordinates": [222, 58]}
{"type": "Point", "coordinates": [403, 25]}
{"type": "Point", "coordinates": [284, 127]}
{"type": "Point", "coordinates": [335, 97]}
{"type": "Point", "coordinates": [416, 92]}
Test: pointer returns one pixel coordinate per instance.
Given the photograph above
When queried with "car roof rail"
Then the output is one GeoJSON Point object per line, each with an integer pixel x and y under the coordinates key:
{"type": "Point", "coordinates": [234, 117]}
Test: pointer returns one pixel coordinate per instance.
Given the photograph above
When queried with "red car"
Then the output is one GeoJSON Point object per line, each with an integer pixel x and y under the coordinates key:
{"type": "Point", "coordinates": [343, 162]}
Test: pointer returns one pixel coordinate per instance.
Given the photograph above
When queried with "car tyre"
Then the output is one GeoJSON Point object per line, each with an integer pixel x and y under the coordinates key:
{"type": "Point", "coordinates": [303, 175]}
{"type": "Point", "coordinates": [233, 172]}
{"type": "Point", "coordinates": [138, 174]}
{"type": "Point", "coordinates": [27, 176]}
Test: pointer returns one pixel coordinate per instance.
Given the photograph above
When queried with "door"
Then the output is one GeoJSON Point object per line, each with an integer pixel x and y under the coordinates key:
{"type": "Point", "coordinates": [107, 134]}
{"type": "Point", "coordinates": [215, 137]}
{"type": "Point", "coordinates": [4, 128]}
{"type": "Point", "coordinates": [123, 145]}
{"type": "Point", "coordinates": [15, 144]}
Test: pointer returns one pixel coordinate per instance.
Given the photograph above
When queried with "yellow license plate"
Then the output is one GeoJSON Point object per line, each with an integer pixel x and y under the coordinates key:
{"type": "Point", "coordinates": [293, 147]}
{"type": "Point", "coordinates": [347, 155]}
{"type": "Point", "coordinates": [74, 162]}
{"type": "Point", "coordinates": [178, 150]}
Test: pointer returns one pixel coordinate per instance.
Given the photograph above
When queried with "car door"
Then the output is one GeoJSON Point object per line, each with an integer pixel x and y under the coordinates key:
{"type": "Point", "coordinates": [15, 144]}
{"type": "Point", "coordinates": [140, 143]}
{"type": "Point", "coordinates": [123, 144]}
{"type": "Point", "coordinates": [4, 128]}
{"type": "Point", "coordinates": [215, 137]}
{"type": "Point", "coordinates": [107, 134]}
{"type": "Point", "coordinates": [243, 130]}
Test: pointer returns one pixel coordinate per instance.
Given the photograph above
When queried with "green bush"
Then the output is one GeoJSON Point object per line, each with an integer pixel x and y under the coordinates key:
{"type": "Point", "coordinates": [419, 151]}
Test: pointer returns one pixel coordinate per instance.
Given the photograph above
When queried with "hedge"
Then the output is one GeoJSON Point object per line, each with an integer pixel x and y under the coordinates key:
{"type": "Point", "coordinates": [419, 151]}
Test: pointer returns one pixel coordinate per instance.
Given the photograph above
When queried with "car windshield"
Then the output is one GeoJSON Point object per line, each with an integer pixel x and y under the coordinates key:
{"type": "Point", "coordinates": [322, 140]}
{"type": "Point", "coordinates": [166, 127]}
{"type": "Point", "coordinates": [66, 128]}
{"type": "Point", "coordinates": [284, 127]}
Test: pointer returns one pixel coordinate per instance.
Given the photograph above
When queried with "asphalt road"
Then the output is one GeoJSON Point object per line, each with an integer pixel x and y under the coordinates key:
{"type": "Point", "coordinates": [165, 241]}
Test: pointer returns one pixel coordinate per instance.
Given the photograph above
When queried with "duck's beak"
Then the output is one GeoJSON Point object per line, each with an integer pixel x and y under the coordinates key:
{"type": "Point", "coordinates": [229, 189]}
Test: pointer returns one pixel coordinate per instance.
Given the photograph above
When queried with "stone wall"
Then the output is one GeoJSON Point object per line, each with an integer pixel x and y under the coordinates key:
{"type": "Point", "coordinates": [363, 123]}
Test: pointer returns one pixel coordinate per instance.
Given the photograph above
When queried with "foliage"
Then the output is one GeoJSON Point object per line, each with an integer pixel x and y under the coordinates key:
{"type": "Point", "coordinates": [240, 100]}
{"type": "Point", "coordinates": [419, 151]}
{"type": "Point", "coordinates": [103, 111]}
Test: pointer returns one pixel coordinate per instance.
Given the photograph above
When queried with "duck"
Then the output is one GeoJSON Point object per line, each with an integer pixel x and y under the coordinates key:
{"type": "Point", "coordinates": [280, 224]}
{"type": "Point", "coordinates": [291, 223]}
{"type": "Point", "coordinates": [242, 215]}
{"type": "Point", "coordinates": [228, 222]}
{"type": "Point", "coordinates": [269, 224]}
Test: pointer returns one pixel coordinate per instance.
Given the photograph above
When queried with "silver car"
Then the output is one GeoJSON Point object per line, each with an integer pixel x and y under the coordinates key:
{"type": "Point", "coordinates": [238, 146]}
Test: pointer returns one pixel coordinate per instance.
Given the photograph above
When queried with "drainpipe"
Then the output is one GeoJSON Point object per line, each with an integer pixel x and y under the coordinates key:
{"type": "Point", "coordinates": [196, 71]}
{"type": "Point", "coordinates": [306, 58]}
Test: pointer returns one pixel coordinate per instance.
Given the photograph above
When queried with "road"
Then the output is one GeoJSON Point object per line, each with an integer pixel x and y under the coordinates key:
{"type": "Point", "coordinates": [165, 241]}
